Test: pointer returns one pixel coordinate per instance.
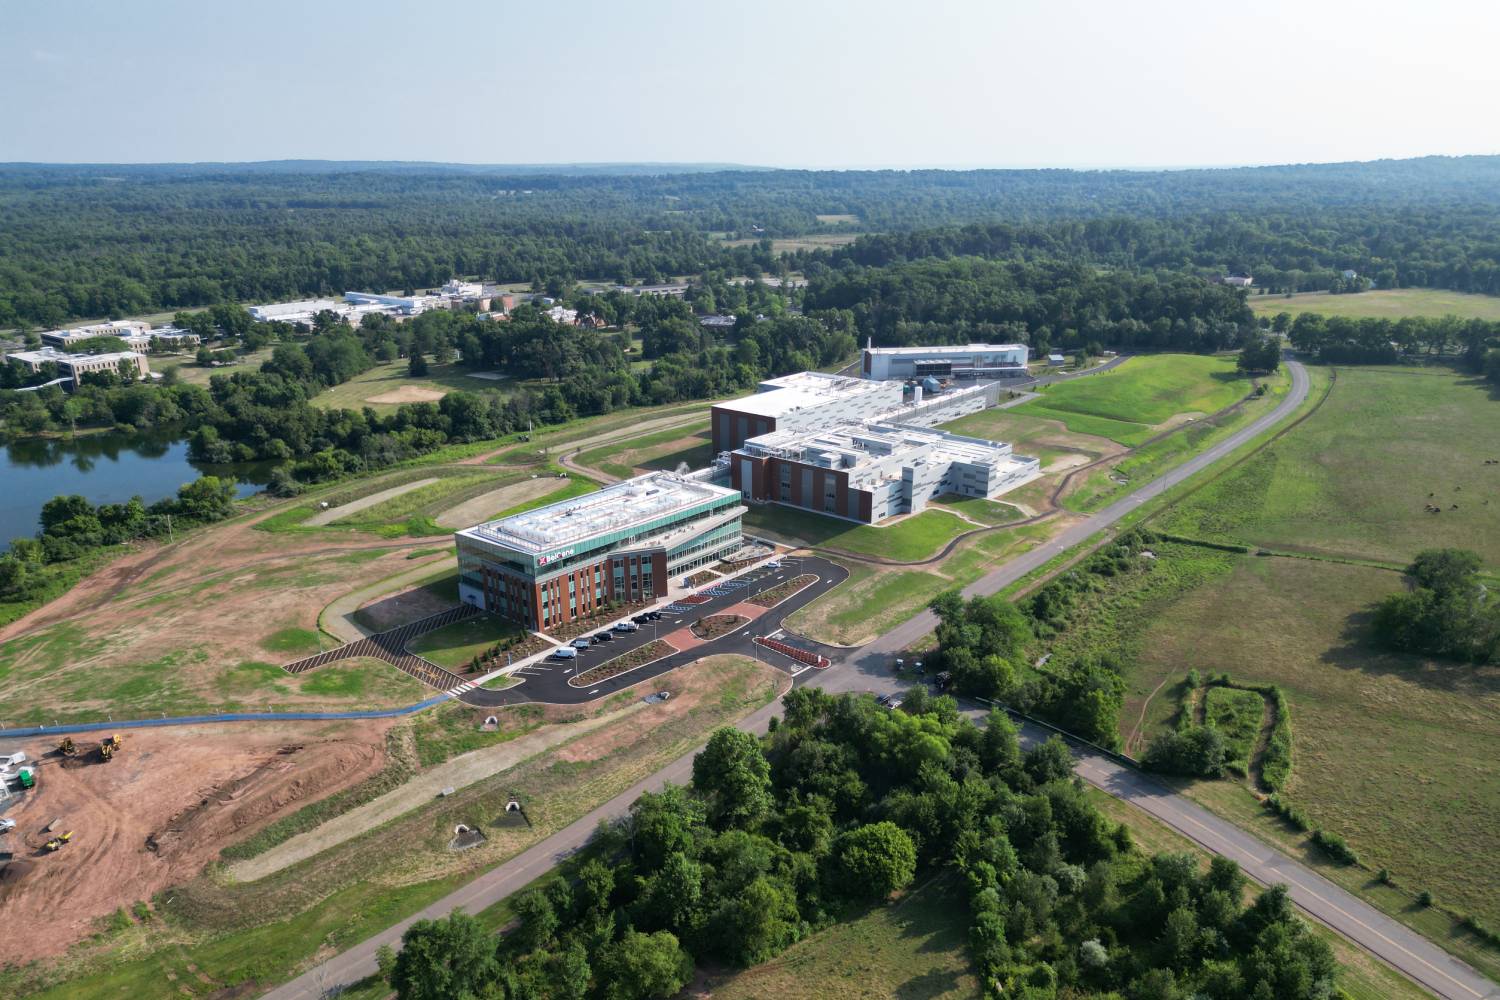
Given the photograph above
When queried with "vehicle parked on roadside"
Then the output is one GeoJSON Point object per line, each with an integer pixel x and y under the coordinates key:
{"type": "Point", "coordinates": [564, 653]}
{"type": "Point", "coordinates": [640, 619]}
{"type": "Point", "coordinates": [627, 627]}
{"type": "Point", "coordinates": [580, 644]}
{"type": "Point", "coordinates": [604, 637]}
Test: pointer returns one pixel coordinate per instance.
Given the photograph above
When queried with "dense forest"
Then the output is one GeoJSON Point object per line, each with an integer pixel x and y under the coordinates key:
{"type": "Point", "coordinates": [841, 806]}
{"type": "Point", "coordinates": [113, 240]}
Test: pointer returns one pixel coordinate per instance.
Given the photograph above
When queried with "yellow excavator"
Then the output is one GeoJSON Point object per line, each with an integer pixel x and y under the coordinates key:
{"type": "Point", "coordinates": [67, 747]}
{"type": "Point", "coordinates": [109, 746]}
{"type": "Point", "coordinates": [56, 843]}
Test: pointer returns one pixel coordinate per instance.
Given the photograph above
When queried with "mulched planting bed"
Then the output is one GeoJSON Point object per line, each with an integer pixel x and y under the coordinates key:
{"type": "Point", "coordinates": [653, 650]}
{"type": "Point", "coordinates": [780, 592]}
{"type": "Point", "coordinates": [716, 625]}
{"type": "Point", "coordinates": [597, 621]}
{"type": "Point", "coordinates": [701, 577]}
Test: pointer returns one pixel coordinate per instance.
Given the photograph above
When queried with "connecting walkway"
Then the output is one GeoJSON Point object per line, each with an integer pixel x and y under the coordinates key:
{"type": "Point", "coordinates": [390, 646]}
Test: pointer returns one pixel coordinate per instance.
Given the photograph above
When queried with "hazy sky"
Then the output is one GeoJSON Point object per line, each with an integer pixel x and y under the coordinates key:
{"type": "Point", "coordinates": [805, 83]}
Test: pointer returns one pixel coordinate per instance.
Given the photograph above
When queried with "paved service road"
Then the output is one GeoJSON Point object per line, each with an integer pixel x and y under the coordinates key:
{"type": "Point", "coordinates": [868, 668]}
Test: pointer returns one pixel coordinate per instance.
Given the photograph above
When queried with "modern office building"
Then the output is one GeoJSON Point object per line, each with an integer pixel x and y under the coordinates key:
{"type": "Point", "coordinates": [870, 471]}
{"type": "Point", "coordinates": [622, 544]}
{"type": "Point", "coordinates": [137, 334]}
{"type": "Point", "coordinates": [967, 361]}
{"type": "Point", "coordinates": [802, 401]}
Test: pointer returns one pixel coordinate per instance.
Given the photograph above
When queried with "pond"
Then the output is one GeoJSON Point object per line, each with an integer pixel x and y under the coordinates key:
{"type": "Point", "coordinates": [106, 468]}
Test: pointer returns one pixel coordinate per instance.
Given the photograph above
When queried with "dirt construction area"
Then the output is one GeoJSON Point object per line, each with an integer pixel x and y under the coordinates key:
{"type": "Point", "coordinates": [407, 394]}
{"type": "Point", "coordinates": [156, 814]}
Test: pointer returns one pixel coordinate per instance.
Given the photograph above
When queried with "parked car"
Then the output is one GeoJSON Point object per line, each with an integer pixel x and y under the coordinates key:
{"type": "Point", "coordinates": [580, 644]}
{"type": "Point", "coordinates": [640, 619]}
{"type": "Point", "coordinates": [627, 627]}
{"type": "Point", "coordinates": [7, 825]}
{"type": "Point", "coordinates": [564, 653]}
{"type": "Point", "coordinates": [942, 680]}
{"type": "Point", "coordinates": [604, 637]}
{"type": "Point", "coordinates": [653, 616]}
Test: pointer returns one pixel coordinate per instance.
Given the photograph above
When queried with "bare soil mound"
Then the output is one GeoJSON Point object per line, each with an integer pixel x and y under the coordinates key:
{"type": "Point", "coordinates": [168, 803]}
{"type": "Point", "coordinates": [408, 394]}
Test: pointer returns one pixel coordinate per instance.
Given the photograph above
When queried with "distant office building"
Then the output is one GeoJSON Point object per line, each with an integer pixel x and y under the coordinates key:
{"type": "Point", "coordinates": [672, 290]}
{"type": "Point", "coordinates": [74, 366]}
{"type": "Point", "coordinates": [871, 471]}
{"type": "Point", "coordinates": [968, 361]}
{"type": "Point", "coordinates": [462, 290]}
{"type": "Point", "coordinates": [802, 401]}
{"type": "Point", "coordinates": [133, 332]}
{"type": "Point", "coordinates": [718, 322]}
{"type": "Point", "coordinates": [302, 311]}
{"type": "Point", "coordinates": [622, 544]}
{"type": "Point", "coordinates": [405, 305]}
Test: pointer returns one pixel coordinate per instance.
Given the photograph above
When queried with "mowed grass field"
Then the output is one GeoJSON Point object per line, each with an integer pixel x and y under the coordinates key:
{"type": "Point", "coordinates": [1398, 754]}
{"type": "Point", "coordinates": [1353, 479]}
{"type": "Point", "coordinates": [660, 450]}
{"type": "Point", "coordinates": [375, 388]}
{"type": "Point", "coordinates": [1393, 303]}
{"type": "Point", "coordinates": [1129, 403]}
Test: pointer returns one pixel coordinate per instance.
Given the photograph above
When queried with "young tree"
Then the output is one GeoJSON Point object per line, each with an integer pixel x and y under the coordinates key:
{"type": "Point", "coordinates": [734, 778]}
{"type": "Point", "coordinates": [416, 365]}
{"type": "Point", "coordinates": [875, 860]}
{"type": "Point", "coordinates": [643, 967]}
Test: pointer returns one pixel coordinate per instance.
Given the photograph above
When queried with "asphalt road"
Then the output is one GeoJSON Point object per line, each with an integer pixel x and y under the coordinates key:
{"type": "Point", "coordinates": [868, 668]}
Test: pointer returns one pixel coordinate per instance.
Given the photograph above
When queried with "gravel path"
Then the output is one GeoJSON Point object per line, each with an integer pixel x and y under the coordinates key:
{"type": "Point", "coordinates": [332, 514]}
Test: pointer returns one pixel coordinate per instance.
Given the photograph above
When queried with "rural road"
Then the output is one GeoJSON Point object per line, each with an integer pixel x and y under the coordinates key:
{"type": "Point", "coordinates": [868, 669]}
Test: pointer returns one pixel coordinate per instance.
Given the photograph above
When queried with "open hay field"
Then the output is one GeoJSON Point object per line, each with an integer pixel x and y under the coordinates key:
{"type": "Point", "coordinates": [1398, 754]}
{"type": "Point", "coordinates": [1392, 303]}
{"type": "Point", "coordinates": [1353, 480]}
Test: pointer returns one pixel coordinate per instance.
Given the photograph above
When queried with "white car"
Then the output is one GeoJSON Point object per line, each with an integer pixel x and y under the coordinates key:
{"type": "Point", "coordinates": [627, 627]}
{"type": "Point", "coordinates": [565, 653]}
{"type": "Point", "coordinates": [7, 825]}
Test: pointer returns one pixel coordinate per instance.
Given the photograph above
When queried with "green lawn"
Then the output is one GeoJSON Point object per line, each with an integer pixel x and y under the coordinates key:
{"type": "Point", "coordinates": [979, 509]}
{"type": "Point", "coordinates": [908, 540]}
{"type": "Point", "coordinates": [1353, 479]}
{"type": "Point", "coordinates": [455, 646]}
{"type": "Point", "coordinates": [916, 947]}
{"type": "Point", "coordinates": [1124, 403]}
{"type": "Point", "coordinates": [1392, 303]}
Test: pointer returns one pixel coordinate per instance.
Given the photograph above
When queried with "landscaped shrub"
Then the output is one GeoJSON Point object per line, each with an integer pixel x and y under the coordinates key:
{"type": "Point", "coordinates": [1276, 760]}
{"type": "Point", "coordinates": [1335, 847]}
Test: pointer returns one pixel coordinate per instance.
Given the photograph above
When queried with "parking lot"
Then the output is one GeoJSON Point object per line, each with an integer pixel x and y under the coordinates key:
{"type": "Point", "coordinates": [548, 680]}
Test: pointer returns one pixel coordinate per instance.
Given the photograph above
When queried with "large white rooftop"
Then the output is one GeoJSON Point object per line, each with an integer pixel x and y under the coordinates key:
{"type": "Point", "coordinates": [873, 451]}
{"type": "Point", "coordinates": [623, 505]}
{"type": "Point", "coordinates": [945, 350]}
{"type": "Point", "coordinates": [802, 390]}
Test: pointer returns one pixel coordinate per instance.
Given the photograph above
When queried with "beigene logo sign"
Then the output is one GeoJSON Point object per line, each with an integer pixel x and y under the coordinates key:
{"type": "Point", "coordinates": [553, 557]}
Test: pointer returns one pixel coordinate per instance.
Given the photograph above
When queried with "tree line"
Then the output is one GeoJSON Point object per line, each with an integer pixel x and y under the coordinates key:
{"type": "Point", "coordinates": [842, 805]}
{"type": "Point", "coordinates": [127, 240]}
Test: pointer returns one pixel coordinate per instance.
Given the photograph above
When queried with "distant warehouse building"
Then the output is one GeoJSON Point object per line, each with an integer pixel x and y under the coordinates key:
{"type": "Point", "coordinates": [967, 361]}
{"type": "Point", "coordinates": [559, 563]}
{"type": "Point", "coordinates": [868, 472]}
{"type": "Point", "coordinates": [803, 401]}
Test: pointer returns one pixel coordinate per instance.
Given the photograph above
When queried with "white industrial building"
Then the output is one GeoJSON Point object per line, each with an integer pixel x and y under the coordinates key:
{"type": "Point", "coordinates": [405, 305]}
{"type": "Point", "coordinates": [871, 471]}
{"type": "Point", "coordinates": [801, 401]}
{"type": "Point", "coordinates": [966, 361]}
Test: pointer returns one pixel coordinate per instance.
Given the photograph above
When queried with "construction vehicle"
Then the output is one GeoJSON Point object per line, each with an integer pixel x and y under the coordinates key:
{"type": "Point", "coordinates": [56, 843]}
{"type": "Point", "coordinates": [67, 747]}
{"type": "Point", "coordinates": [108, 747]}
